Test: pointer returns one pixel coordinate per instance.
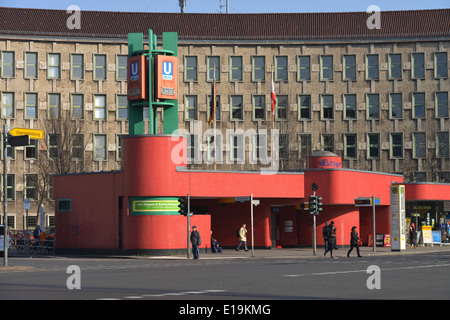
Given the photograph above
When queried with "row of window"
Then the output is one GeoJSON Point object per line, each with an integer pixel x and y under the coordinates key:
{"type": "Point", "coordinates": [303, 146]}
{"type": "Point", "coordinates": [54, 66]}
{"type": "Point", "coordinates": [30, 220]}
{"type": "Point", "coordinates": [304, 67]}
{"type": "Point", "coordinates": [327, 106]}
{"type": "Point", "coordinates": [305, 107]}
{"type": "Point", "coordinates": [54, 103]}
{"type": "Point", "coordinates": [77, 147]}
{"type": "Point", "coordinates": [349, 66]}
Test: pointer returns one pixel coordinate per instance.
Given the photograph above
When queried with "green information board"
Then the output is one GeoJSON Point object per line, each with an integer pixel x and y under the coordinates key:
{"type": "Point", "coordinates": [153, 206]}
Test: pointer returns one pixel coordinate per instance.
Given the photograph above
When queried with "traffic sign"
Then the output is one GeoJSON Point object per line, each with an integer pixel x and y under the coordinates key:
{"type": "Point", "coordinates": [363, 202]}
{"type": "Point", "coordinates": [33, 133]}
{"type": "Point", "coordinates": [19, 141]}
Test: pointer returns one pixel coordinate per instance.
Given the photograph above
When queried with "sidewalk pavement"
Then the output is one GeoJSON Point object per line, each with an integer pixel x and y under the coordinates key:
{"type": "Point", "coordinates": [304, 252]}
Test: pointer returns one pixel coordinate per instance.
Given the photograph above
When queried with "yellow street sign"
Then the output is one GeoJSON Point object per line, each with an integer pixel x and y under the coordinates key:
{"type": "Point", "coordinates": [33, 133]}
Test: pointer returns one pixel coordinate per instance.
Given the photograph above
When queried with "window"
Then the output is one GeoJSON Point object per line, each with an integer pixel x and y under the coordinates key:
{"type": "Point", "coordinates": [237, 148]}
{"type": "Point", "coordinates": [76, 106]}
{"type": "Point", "coordinates": [418, 66]}
{"type": "Point", "coordinates": [395, 66]}
{"type": "Point", "coordinates": [440, 69]}
{"type": "Point", "coordinates": [119, 146]}
{"type": "Point", "coordinates": [99, 67]}
{"type": "Point", "coordinates": [54, 66]}
{"type": "Point", "coordinates": [31, 106]}
{"type": "Point", "coordinates": [77, 146]}
{"type": "Point", "coordinates": [395, 106]}
{"type": "Point", "coordinates": [260, 147]}
{"type": "Point", "coordinates": [304, 68]}
{"type": "Point", "coordinates": [373, 146]}
{"type": "Point", "coordinates": [10, 186]}
{"type": "Point", "coordinates": [99, 107]}
{"type": "Point", "coordinates": [236, 68]}
{"type": "Point", "coordinates": [121, 67]}
{"type": "Point", "coordinates": [282, 107]}
{"type": "Point", "coordinates": [191, 107]}
{"type": "Point", "coordinates": [442, 104]}
{"type": "Point", "coordinates": [419, 105]}
{"type": "Point", "coordinates": [99, 147]}
{"type": "Point", "coordinates": [217, 116]}
{"type": "Point", "coordinates": [9, 150]}
{"type": "Point", "coordinates": [64, 205]}
{"type": "Point", "coordinates": [396, 145]}
{"type": "Point", "coordinates": [54, 103]}
{"type": "Point", "coordinates": [259, 107]}
{"type": "Point", "coordinates": [31, 65]}
{"type": "Point", "coordinates": [31, 151]}
{"type": "Point", "coordinates": [442, 144]}
{"type": "Point", "coordinates": [8, 68]}
{"type": "Point", "coordinates": [283, 146]}
{"type": "Point", "coordinates": [328, 142]}
{"type": "Point", "coordinates": [77, 66]}
{"type": "Point", "coordinates": [190, 69]}
{"type": "Point", "coordinates": [7, 105]}
{"type": "Point", "coordinates": [327, 107]}
{"type": "Point", "coordinates": [372, 67]}
{"type": "Point", "coordinates": [350, 67]}
{"type": "Point", "coordinates": [122, 107]}
{"type": "Point", "coordinates": [420, 145]}
{"type": "Point", "coordinates": [326, 71]}
{"type": "Point", "coordinates": [281, 68]}
{"type": "Point", "coordinates": [350, 146]}
{"type": "Point", "coordinates": [53, 146]}
{"type": "Point", "coordinates": [214, 142]}
{"type": "Point", "coordinates": [259, 69]}
{"type": "Point", "coordinates": [304, 103]}
{"type": "Point", "coordinates": [304, 148]}
{"type": "Point", "coordinates": [213, 64]}
{"type": "Point", "coordinates": [31, 184]}
{"type": "Point", "coordinates": [373, 106]}
{"type": "Point", "coordinates": [237, 111]}
{"type": "Point", "coordinates": [349, 106]}
{"type": "Point", "coordinates": [193, 156]}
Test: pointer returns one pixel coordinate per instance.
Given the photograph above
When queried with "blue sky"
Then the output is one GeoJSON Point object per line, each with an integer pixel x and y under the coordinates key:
{"type": "Point", "coordinates": [236, 6]}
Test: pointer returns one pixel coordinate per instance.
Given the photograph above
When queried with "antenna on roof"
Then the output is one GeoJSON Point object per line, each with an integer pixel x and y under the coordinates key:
{"type": "Point", "coordinates": [221, 6]}
{"type": "Point", "coordinates": [182, 4]}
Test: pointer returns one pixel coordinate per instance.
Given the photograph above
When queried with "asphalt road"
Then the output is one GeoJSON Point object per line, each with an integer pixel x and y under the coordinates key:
{"type": "Point", "coordinates": [258, 279]}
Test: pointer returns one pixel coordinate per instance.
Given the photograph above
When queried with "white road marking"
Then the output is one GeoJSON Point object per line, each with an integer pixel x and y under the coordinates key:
{"type": "Point", "coordinates": [365, 270]}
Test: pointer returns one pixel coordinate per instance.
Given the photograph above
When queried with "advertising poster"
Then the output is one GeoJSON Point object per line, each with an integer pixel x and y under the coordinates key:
{"type": "Point", "coordinates": [427, 235]}
{"type": "Point", "coordinates": [398, 219]}
{"type": "Point", "coordinates": [387, 240]}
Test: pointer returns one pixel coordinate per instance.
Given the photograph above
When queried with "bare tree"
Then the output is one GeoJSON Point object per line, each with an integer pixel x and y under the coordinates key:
{"type": "Point", "coordinates": [61, 152]}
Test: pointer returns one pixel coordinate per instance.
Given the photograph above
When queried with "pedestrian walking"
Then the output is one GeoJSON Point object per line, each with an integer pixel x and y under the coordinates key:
{"type": "Point", "coordinates": [196, 241]}
{"type": "Point", "coordinates": [330, 236]}
{"type": "Point", "coordinates": [242, 237]}
{"type": "Point", "coordinates": [333, 235]}
{"type": "Point", "coordinates": [325, 234]}
{"type": "Point", "coordinates": [354, 242]}
{"type": "Point", "coordinates": [412, 236]}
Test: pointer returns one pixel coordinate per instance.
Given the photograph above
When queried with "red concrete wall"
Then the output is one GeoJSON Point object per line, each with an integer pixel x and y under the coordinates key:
{"type": "Point", "coordinates": [428, 191]}
{"type": "Point", "coordinates": [93, 220]}
{"type": "Point", "coordinates": [344, 217]}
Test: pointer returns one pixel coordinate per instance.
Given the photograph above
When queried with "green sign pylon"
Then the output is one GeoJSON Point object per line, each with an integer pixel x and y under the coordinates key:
{"type": "Point", "coordinates": [136, 107]}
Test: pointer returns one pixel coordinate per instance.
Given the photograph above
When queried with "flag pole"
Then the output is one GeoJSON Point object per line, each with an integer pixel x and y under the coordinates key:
{"type": "Point", "coordinates": [272, 111]}
{"type": "Point", "coordinates": [214, 119]}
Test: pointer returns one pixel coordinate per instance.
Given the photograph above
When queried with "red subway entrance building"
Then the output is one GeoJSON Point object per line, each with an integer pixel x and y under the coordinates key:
{"type": "Point", "coordinates": [111, 212]}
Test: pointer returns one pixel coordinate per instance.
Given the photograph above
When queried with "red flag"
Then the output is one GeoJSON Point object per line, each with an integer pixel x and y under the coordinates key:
{"type": "Point", "coordinates": [274, 98]}
{"type": "Point", "coordinates": [212, 112]}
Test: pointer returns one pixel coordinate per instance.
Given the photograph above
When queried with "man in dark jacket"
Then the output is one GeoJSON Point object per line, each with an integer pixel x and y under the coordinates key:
{"type": "Point", "coordinates": [196, 242]}
{"type": "Point", "coordinates": [354, 242]}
